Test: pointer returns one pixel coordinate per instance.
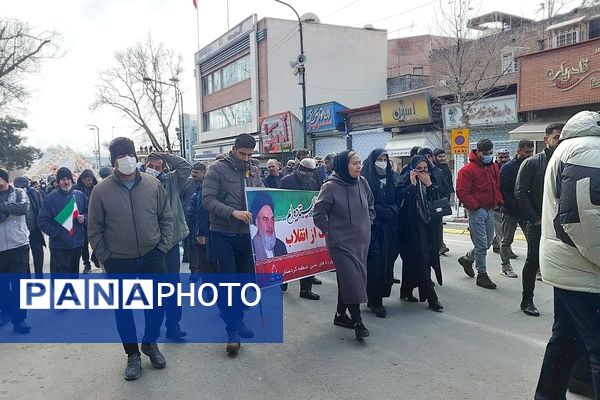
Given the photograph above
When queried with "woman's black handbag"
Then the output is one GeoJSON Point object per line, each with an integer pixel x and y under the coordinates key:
{"type": "Point", "coordinates": [440, 208]}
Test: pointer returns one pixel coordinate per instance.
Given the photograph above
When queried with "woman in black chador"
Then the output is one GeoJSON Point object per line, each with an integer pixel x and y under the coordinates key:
{"type": "Point", "coordinates": [383, 249]}
{"type": "Point", "coordinates": [418, 233]}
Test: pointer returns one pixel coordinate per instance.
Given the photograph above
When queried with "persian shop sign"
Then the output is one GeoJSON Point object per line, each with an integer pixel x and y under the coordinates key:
{"type": "Point", "coordinates": [323, 117]}
{"type": "Point", "coordinates": [569, 75]}
{"type": "Point", "coordinates": [403, 111]}
{"type": "Point", "coordinates": [493, 111]}
{"type": "Point", "coordinates": [276, 133]}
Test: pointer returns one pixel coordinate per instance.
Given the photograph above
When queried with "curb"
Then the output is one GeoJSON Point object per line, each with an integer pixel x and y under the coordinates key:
{"type": "Point", "coordinates": [466, 232]}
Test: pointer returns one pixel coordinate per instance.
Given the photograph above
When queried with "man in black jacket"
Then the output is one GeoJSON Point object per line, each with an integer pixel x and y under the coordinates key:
{"type": "Point", "coordinates": [529, 191]}
{"type": "Point", "coordinates": [273, 180]}
{"type": "Point", "coordinates": [85, 184]}
{"type": "Point", "coordinates": [511, 216]}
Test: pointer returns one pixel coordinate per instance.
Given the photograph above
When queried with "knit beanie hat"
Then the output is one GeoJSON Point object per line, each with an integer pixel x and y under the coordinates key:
{"type": "Point", "coordinates": [121, 145]}
{"type": "Point", "coordinates": [21, 182]}
{"type": "Point", "coordinates": [4, 174]}
{"type": "Point", "coordinates": [64, 172]}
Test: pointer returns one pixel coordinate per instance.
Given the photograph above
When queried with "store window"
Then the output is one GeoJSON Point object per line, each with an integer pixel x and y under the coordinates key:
{"type": "Point", "coordinates": [232, 115]}
{"type": "Point", "coordinates": [229, 75]}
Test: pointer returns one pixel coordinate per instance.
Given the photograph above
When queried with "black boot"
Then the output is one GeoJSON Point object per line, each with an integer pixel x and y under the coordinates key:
{"type": "Point", "coordinates": [360, 331]}
{"type": "Point", "coordinates": [528, 307]}
{"type": "Point", "coordinates": [406, 294]}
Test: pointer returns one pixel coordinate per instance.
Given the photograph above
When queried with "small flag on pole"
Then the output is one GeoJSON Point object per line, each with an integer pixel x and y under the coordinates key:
{"type": "Point", "coordinates": [195, 4]}
{"type": "Point", "coordinates": [66, 216]}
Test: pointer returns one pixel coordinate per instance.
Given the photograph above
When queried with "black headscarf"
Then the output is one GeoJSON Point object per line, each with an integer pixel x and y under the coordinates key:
{"type": "Point", "coordinates": [340, 166]}
{"type": "Point", "coordinates": [421, 192]}
{"type": "Point", "coordinates": [370, 173]}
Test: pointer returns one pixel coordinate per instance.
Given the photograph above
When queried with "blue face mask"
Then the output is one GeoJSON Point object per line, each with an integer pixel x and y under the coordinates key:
{"type": "Point", "coordinates": [487, 159]}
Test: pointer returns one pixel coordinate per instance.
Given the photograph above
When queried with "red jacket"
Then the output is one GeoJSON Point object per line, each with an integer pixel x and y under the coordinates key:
{"type": "Point", "coordinates": [478, 185]}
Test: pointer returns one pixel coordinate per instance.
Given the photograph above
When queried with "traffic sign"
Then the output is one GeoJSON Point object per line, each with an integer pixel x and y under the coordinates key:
{"type": "Point", "coordinates": [459, 143]}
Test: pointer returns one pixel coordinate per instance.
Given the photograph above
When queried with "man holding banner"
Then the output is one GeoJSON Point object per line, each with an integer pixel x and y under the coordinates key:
{"type": "Point", "coordinates": [229, 238]}
{"type": "Point", "coordinates": [63, 217]}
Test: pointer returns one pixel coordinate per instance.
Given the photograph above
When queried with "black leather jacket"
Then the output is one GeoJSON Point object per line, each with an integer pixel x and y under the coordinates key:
{"type": "Point", "coordinates": [529, 187]}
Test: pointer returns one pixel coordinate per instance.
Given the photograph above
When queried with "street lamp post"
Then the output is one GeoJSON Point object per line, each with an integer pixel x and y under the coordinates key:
{"type": "Point", "coordinates": [92, 127]}
{"type": "Point", "coordinates": [301, 70]}
{"type": "Point", "coordinates": [178, 97]}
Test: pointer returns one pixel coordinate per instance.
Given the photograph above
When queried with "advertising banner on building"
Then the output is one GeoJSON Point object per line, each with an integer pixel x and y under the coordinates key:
{"type": "Point", "coordinates": [324, 117]}
{"type": "Point", "coordinates": [402, 111]}
{"type": "Point", "coordinates": [493, 111]}
{"type": "Point", "coordinates": [286, 244]}
{"type": "Point", "coordinates": [277, 133]}
{"type": "Point", "coordinates": [459, 142]}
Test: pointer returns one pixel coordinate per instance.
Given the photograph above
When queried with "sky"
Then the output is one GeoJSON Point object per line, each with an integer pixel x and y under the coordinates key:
{"type": "Point", "coordinates": [92, 30]}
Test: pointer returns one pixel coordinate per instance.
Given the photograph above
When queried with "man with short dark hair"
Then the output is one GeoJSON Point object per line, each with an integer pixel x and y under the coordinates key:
{"type": "Point", "coordinates": [223, 196]}
{"type": "Point", "coordinates": [529, 192]}
{"type": "Point", "coordinates": [273, 180]}
{"type": "Point", "coordinates": [14, 252]}
{"type": "Point", "coordinates": [511, 212]}
{"type": "Point", "coordinates": [192, 185]}
{"type": "Point", "coordinates": [502, 157]}
{"type": "Point", "coordinates": [478, 188]}
{"type": "Point", "coordinates": [301, 155]}
{"type": "Point", "coordinates": [173, 181]}
{"type": "Point", "coordinates": [63, 217]}
{"type": "Point", "coordinates": [131, 229]}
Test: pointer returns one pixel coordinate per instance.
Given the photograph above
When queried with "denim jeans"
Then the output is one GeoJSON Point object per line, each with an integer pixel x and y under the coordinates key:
{"type": "Point", "coordinates": [232, 254]}
{"type": "Point", "coordinates": [173, 265]}
{"type": "Point", "coordinates": [481, 229]}
{"type": "Point", "coordinates": [576, 329]}
{"type": "Point", "coordinates": [509, 227]}
{"type": "Point", "coordinates": [145, 267]}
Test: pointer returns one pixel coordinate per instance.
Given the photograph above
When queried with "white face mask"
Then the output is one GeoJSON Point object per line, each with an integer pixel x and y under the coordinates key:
{"type": "Point", "coordinates": [381, 165]}
{"type": "Point", "coordinates": [152, 172]}
{"type": "Point", "coordinates": [126, 165]}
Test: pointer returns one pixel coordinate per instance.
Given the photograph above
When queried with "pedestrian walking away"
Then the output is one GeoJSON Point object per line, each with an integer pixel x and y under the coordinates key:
{"type": "Point", "coordinates": [347, 227]}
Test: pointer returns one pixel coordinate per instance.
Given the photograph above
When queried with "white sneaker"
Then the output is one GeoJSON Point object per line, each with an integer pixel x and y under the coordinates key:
{"type": "Point", "coordinates": [508, 272]}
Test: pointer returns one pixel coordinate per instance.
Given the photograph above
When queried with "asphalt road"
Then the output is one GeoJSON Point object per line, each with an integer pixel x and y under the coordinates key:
{"type": "Point", "coordinates": [481, 347]}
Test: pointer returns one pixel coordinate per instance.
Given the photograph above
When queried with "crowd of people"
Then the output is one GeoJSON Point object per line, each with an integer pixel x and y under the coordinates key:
{"type": "Point", "coordinates": [372, 214]}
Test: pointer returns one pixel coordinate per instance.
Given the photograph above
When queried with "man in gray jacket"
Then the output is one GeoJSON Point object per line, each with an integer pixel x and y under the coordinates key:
{"type": "Point", "coordinates": [223, 197]}
{"type": "Point", "coordinates": [14, 252]}
{"type": "Point", "coordinates": [174, 183]}
{"type": "Point", "coordinates": [130, 227]}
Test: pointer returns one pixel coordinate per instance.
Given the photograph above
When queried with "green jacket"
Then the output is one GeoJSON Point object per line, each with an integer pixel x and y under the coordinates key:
{"type": "Point", "coordinates": [180, 171]}
{"type": "Point", "coordinates": [125, 223]}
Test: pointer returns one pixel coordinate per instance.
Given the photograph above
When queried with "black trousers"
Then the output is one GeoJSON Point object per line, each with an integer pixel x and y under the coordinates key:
{"type": "Point", "coordinates": [65, 261]}
{"type": "Point", "coordinates": [532, 262]}
{"type": "Point", "coordinates": [37, 252]}
{"type": "Point", "coordinates": [576, 329]}
{"type": "Point", "coordinates": [85, 252]}
{"type": "Point", "coordinates": [13, 261]}
{"type": "Point", "coordinates": [148, 266]}
{"type": "Point", "coordinates": [197, 256]}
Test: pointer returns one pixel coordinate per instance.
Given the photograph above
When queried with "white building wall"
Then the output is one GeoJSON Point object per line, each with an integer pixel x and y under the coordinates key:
{"type": "Point", "coordinates": [347, 65]}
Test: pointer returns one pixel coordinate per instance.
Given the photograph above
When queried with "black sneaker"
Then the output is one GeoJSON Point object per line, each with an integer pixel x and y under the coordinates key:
{"type": "Point", "coordinates": [467, 266]}
{"type": "Point", "coordinates": [316, 281]}
{"type": "Point", "coordinates": [444, 250]}
{"type": "Point", "coordinates": [87, 268]}
{"type": "Point", "coordinates": [233, 344]}
{"type": "Point", "coordinates": [360, 331]}
{"type": "Point", "coordinates": [156, 358]}
{"type": "Point", "coordinates": [484, 281]}
{"type": "Point", "coordinates": [380, 311]}
{"type": "Point", "coordinates": [176, 332]}
{"type": "Point", "coordinates": [133, 370]}
{"type": "Point", "coordinates": [343, 320]}
{"type": "Point", "coordinates": [4, 319]}
{"type": "Point", "coordinates": [308, 294]}
{"type": "Point", "coordinates": [21, 327]}
{"type": "Point", "coordinates": [246, 332]}
{"type": "Point", "coordinates": [435, 305]}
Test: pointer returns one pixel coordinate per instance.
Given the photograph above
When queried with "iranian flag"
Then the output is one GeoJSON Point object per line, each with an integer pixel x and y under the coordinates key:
{"type": "Point", "coordinates": [66, 216]}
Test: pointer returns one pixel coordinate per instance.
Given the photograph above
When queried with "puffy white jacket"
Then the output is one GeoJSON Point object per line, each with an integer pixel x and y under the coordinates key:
{"type": "Point", "coordinates": [570, 245]}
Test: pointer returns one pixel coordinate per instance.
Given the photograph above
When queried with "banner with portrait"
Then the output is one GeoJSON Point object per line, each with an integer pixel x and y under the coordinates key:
{"type": "Point", "coordinates": [286, 244]}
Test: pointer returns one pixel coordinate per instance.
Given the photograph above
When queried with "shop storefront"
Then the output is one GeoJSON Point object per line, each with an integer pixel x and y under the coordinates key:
{"type": "Point", "coordinates": [325, 125]}
{"type": "Point", "coordinates": [556, 84]}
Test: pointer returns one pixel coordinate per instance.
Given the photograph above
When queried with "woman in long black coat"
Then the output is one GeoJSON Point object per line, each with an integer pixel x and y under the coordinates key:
{"type": "Point", "coordinates": [418, 233]}
{"type": "Point", "coordinates": [344, 212]}
{"type": "Point", "coordinates": [383, 249]}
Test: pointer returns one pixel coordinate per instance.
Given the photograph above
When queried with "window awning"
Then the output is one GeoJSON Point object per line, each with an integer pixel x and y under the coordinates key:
{"type": "Point", "coordinates": [564, 24]}
{"type": "Point", "coordinates": [532, 130]}
{"type": "Point", "coordinates": [400, 145]}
